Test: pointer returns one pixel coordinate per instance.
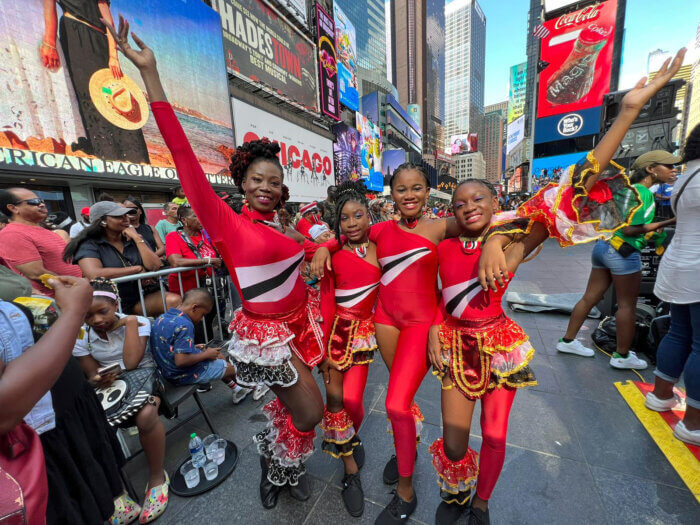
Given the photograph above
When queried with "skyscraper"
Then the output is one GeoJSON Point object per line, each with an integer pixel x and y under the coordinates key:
{"type": "Point", "coordinates": [493, 138]}
{"type": "Point", "coordinates": [534, 18]}
{"type": "Point", "coordinates": [418, 63]}
{"type": "Point", "coordinates": [465, 46]}
{"type": "Point", "coordinates": [370, 27]}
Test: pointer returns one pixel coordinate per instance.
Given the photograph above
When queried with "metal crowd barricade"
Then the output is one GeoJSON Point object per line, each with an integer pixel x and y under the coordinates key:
{"type": "Point", "coordinates": [217, 283]}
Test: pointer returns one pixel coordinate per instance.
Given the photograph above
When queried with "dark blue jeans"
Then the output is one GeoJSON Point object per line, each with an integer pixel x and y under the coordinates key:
{"type": "Point", "coordinates": [679, 351]}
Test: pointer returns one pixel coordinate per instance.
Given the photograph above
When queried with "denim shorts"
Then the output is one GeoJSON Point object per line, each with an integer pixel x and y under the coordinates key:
{"type": "Point", "coordinates": [212, 370]}
{"type": "Point", "coordinates": [604, 256]}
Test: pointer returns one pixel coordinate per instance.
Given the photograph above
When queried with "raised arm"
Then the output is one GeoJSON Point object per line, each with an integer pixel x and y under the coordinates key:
{"type": "Point", "coordinates": [213, 213]}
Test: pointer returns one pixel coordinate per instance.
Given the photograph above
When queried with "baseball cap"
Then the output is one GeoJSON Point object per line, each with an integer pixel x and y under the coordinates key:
{"type": "Point", "coordinates": [317, 230]}
{"type": "Point", "coordinates": [85, 210]}
{"type": "Point", "coordinates": [111, 209]}
{"type": "Point", "coordinates": [658, 156]}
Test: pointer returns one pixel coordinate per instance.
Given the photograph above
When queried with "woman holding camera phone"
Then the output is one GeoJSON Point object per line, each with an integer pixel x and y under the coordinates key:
{"type": "Point", "coordinates": [618, 261]}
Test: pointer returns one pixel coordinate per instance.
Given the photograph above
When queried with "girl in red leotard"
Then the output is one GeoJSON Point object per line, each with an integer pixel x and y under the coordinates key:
{"type": "Point", "coordinates": [276, 338]}
{"type": "Point", "coordinates": [348, 296]}
{"type": "Point", "coordinates": [478, 352]}
{"type": "Point", "coordinates": [408, 298]}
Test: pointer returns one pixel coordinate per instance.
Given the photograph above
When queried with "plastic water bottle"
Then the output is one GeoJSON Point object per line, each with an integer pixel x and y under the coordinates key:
{"type": "Point", "coordinates": [197, 451]}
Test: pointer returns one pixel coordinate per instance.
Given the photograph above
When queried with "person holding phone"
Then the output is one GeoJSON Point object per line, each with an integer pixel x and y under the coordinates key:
{"type": "Point", "coordinates": [183, 362]}
{"type": "Point", "coordinates": [111, 247]}
{"type": "Point", "coordinates": [108, 338]}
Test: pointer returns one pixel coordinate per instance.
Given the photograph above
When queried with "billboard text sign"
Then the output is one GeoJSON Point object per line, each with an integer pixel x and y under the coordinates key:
{"type": "Point", "coordinates": [79, 118]}
{"type": "Point", "coordinates": [579, 52]}
{"type": "Point", "coordinates": [327, 64]}
{"type": "Point", "coordinates": [306, 158]}
{"type": "Point", "coordinates": [263, 48]}
{"type": "Point", "coordinates": [516, 92]}
{"type": "Point", "coordinates": [516, 133]}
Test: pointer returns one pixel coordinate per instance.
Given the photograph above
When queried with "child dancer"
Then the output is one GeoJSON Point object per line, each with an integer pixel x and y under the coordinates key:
{"type": "Point", "coordinates": [348, 296]}
{"type": "Point", "coordinates": [477, 352]}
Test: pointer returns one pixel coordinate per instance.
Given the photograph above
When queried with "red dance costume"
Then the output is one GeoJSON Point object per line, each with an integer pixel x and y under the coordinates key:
{"type": "Point", "coordinates": [280, 313]}
{"type": "Point", "coordinates": [348, 296]}
{"type": "Point", "coordinates": [489, 357]}
{"type": "Point", "coordinates": [408, 299]}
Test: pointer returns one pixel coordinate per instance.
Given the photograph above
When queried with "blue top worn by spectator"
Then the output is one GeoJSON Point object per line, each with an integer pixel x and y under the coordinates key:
{"type": "Point", "coordinates": [664, 190]}
{"type": "Point", "coordinates": [173, 347]}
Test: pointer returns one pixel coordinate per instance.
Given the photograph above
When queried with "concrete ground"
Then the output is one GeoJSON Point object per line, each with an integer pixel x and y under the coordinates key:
{"type": "Point", "coordinates": [576, 453]}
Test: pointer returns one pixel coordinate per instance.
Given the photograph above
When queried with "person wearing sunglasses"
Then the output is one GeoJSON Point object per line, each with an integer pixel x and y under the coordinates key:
{"type": "Point", "coordinates": [111, 247]}
{"type": "Point", "coordinates": [28, 248]}
{"type": "Point", "coordinates": [138, 219]}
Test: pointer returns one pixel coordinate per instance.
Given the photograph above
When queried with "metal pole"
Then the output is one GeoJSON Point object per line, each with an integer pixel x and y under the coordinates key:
{"type": "Point", "coordinates": [141, 298]}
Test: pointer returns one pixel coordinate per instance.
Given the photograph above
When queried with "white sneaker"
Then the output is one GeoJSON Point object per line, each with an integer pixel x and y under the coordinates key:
{"type": "Point", "coordinates": [627, 363]}
{"type": "Point", "coordinates": [260, 390]}
{"type": "Point", "coordinates": [685, 435]}
{"type": "Point", "coordinates": [240, 393]}
{"type": "Point", "coordinates": [574, 347]}
{"type": "Point", "coordinates": [657, 404]}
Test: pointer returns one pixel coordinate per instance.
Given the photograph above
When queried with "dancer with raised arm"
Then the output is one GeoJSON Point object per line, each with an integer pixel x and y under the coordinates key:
{"type": "Point", "coordinates": [477, 352]}
{"type": "Point", "coordinates": [276, 338]}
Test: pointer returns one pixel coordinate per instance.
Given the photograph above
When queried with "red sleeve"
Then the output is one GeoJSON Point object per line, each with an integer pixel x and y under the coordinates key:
{"type": "Point", "coordinates": [310, 248]}
{"type": "Point", "coordinates": [333, 245]}
{"type": "Point", "coordinates": [303, 227]}
{"type": "Point", "coordinates": [327, 305]}
{"type": "Point", "coordinates": [376, 229]}
{"type": "Point", "coordinates": [18, 248]}
{"type": "Point", "coordinates": [216, 217]}
{"type": "Point", "coordinates": [173, 244]}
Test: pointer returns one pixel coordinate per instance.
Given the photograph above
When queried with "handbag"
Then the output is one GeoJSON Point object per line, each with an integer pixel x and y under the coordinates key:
{"type": "Point", "coordinates": [129, 393]}
{"type": "Point", "coordinates": [24, 490]}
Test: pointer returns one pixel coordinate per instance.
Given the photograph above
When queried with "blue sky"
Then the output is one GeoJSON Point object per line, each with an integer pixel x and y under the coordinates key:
{"type": "Point", "coordinates": [649, 24]}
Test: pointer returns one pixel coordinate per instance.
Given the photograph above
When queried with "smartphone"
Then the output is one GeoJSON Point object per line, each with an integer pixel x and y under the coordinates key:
{"type": "Point", "coordinates": [114, 368]}
{"type": "Point", "coordinates": [215, 343]}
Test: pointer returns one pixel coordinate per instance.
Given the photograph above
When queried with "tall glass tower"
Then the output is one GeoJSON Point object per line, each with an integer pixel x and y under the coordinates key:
{"type": "Point", "coordinates": [465, 63]}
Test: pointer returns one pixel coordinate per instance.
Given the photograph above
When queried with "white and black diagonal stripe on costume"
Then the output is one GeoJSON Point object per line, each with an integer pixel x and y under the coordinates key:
{"type": "Point", "coordinates": [394, 265]}
{"type": "Point", "coordinates": [457, 296]}
{"type": "Point", "coordinates": [353, 296]}
{"type": "Point", "coordinates": [269, 282]}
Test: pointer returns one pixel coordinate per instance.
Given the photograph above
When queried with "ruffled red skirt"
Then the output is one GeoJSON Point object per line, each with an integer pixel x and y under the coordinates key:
{"type": "Point", "coordinates": [261, 346]}
{"type": "Point", "coordinates": [352, 341]}
{"type": "Point", "coordinates": [484, 354]}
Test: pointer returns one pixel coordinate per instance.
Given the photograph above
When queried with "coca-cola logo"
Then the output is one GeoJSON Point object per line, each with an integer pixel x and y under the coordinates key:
{"type": "Point", "coordinates": [584, 15]}
{"type": "Point", "coordinates": [570, 124]}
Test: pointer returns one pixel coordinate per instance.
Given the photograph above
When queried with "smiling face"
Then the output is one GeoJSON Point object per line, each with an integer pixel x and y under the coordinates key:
{"type": "Point", "coordinates": [116, 224]}
{"type": "Point", "coordinates": [354, 222]}
{"type": "Point", "coordinates": [474, 205]}
{"type": "Point", "coordinates": [410, 193]}
{"type": "Point", "coordinates": [134, 216]}
{"type": "Point", "coordinates": [262, 185]}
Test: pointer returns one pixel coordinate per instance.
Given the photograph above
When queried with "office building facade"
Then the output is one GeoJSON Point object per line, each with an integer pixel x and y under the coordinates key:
{"type": "Point", "coordinates": [493, 138]}
{"type": "Point", "coordinates": [469, 166]}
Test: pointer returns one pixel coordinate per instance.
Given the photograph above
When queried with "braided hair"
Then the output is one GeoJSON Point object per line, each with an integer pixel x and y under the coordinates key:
{"type": "Point", "coordinates": [251, 152]}
{"type": "Point", "coordinates": [100, 284]}
{"type": "Point", "coordinates": [348, 191]}
{"type": "Point", "coordinates": [409, 166]}
{"type": "Point", "coordinates": [483, 182]}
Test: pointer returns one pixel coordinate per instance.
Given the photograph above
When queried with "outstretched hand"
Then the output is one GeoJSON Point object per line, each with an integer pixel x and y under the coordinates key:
{"type": "Point", "coordinates": [642, 92]}
{"type": "Point", "coordinates": [144, 59]}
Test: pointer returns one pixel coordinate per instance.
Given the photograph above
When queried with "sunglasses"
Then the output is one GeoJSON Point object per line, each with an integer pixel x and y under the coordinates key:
{"type": "Point", "coordinates": [31, 202]}
{"type": "Point", "coordinates": [132, 212]}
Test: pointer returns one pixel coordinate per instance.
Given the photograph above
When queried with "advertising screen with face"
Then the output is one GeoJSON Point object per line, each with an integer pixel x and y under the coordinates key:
{"type": "Point", "coordinates": [578, 52]}
{"type": "Point", "coordinates": [66, 108]}
{"type": "Point", "coordinates": [263, 48]}
{"type": "Point", "coordinates": [464, 143]}
{"type": "Point", "coordinates": [306, 158]}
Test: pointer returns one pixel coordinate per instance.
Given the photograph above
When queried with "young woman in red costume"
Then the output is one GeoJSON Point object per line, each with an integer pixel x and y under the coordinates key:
{"type": "Point", "coordinates": [408, 298]}
{"type": "Point", "coordinates": [276, 338]}
{"type": "Point", "coordinates": [477, 352]}
{"type": "Point", "coordinates": [348, 297]}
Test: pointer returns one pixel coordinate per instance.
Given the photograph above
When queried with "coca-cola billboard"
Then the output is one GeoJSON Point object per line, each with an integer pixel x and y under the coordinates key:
{"type": "Point", "coordinates": [578, 53]}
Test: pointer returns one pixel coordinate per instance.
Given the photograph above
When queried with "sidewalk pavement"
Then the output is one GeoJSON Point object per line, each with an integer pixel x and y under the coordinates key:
{"type": "Point", "coordinates": [575, 454]}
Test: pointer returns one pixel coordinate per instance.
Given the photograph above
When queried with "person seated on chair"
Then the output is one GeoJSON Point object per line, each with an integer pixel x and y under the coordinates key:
{"type": "Point", "coordinates": [181, 361]}
{"type": "Point", "coordinates": [109, 337]}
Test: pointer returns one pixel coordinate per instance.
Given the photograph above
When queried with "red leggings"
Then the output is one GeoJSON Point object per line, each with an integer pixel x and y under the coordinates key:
{"type": "Point", "coordinates": [495, 409]}
{"type": "Point", "coordinates": [408, 369]}
{"type": "Point", "coordinates": [354, 381]}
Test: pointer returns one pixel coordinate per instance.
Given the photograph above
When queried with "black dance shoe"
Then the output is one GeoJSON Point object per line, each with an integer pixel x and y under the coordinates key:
{"type": "Point", "coordinates": [478, 517]}
{"type": "Point", "coordinates": [301, 491]}
{"type": "Point", "coordinates": [353, 495]}
{"type": "Point", "coordinates": [358, 452]}
{"type": "Point", "coordinates": [269, 492]}
{"type": "Point", "coordinates": [448, 513]}
{"type": "Point", "coordinates": [391, 471]}
{"type": "Point", "coordinates": [397, 511]}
